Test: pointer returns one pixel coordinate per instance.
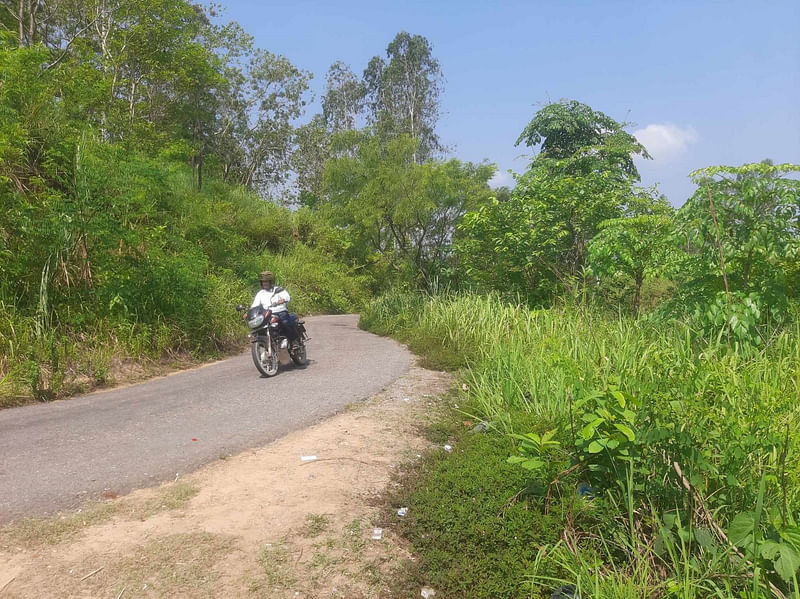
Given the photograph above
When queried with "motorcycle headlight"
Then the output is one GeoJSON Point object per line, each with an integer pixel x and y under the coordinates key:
{"type": "Point", "coordinates": [256, 321]}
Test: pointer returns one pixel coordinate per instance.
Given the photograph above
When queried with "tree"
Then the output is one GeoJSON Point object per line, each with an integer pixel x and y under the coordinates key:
{"type": "Point", "coordinates": [263, 95]}
{"type": "Point", "coordinates": [537, 240]}
{"type": "Point", "coordinates": [403, 93]}
{"type": "Point", "coordinates": [635, 245]}
{"type": "Point", "coordinates": [312, 150]}
{"type": "Point", "coordinates": [569, 129]}
{"type": "Point", "coordinates": [343, 102]}
{"type": "Point", "coordinates": [397, 211]}
{"type": "Point", "coordinates": [740, 240]}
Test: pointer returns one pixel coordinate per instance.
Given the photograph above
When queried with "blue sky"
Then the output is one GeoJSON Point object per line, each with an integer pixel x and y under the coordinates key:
{"type": "Point", "coordinates": [703, 83]}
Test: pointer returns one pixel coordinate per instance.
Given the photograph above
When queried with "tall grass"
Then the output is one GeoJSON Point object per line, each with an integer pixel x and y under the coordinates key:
{"type": "Point", "coordinates": [728, 416]}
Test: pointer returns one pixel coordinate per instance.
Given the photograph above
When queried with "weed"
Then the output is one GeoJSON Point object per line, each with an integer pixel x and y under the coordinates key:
{"type": "Point", "coordinates": [322, 560]}
{"type": "Point", "coordinates": [316, 524]}
{"type": "Point", "coordinates": [354, 536]}
{"type": "Point", "coordinates": [276, 561]}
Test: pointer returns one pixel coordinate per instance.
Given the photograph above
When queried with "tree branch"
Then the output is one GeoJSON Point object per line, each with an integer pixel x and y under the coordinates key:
{"type": "Point", "coordinates": [66, 48]}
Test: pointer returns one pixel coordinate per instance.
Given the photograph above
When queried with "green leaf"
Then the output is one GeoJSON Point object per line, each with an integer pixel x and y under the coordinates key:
{"type": "Point", "coordinates": [588, 430]}
{"type": "Point", "coordinates": [532, 464]}
{"type": "Point", "coordinates": [791, 534]}
{"type": "Point", "coordinates": [704, 538]}
{"type": "Point", "coordinates": [770, 549]}
{"type": "Point", "coordinates": [625, 430]}
{"type": "Point", "coordinates": [595, 447]}
{"type": "Point", "coordinates": [740, 531]}
{"type": "Point", "coordinates": [788, 562]}
{"type": "Point", "coordinates": [523, 438]}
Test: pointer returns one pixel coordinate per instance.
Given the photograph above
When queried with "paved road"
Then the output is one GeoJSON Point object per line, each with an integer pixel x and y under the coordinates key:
{"type": "Point", "coordinates": [58, 455]}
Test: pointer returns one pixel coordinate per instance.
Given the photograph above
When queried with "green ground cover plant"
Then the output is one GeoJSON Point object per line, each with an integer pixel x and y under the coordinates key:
{"type": "Point", "coordinates": [685, 441]}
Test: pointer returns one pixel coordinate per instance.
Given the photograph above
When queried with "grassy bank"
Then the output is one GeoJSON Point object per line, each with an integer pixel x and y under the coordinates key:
{"type": "Point", "coordinates": [648, 461]}
{"type": "Point", "coordinates": [131, 270]}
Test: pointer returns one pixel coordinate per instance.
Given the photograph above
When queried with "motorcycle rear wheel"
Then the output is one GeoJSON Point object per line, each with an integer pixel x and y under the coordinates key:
{"type": "Point", "coordinates": [299, 355]}
{"type": "Point", "coordinates": [267, 364]}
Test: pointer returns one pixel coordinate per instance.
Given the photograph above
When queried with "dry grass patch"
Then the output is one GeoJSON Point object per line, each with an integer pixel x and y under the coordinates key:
{"type": "Point", "coordinates": [342, 562]}
{"type": "Point", "coordinates": [179, 565]}
{"type": "Point", "coordinates": [172, 497]}
{"type": "Point", "coordinates": [33, 533]}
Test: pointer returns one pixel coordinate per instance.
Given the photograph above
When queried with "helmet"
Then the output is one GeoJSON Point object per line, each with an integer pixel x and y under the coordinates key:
{"type": "Point", "coordinates": [266, 276]}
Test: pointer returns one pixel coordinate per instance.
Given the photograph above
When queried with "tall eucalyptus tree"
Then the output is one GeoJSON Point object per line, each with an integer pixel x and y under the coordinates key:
{"type": "Point", "coordinates": [403, 93]}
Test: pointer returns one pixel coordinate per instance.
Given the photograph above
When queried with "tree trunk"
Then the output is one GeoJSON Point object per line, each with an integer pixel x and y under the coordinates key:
{"type": "Point", "coordinates": [32, 8]}
{"type": "Point", "coordinates": [131, 105]}
{"type": "Point", "coordinates": [637, 298]}
{"type": "Point", "coordinates": [21, 19]}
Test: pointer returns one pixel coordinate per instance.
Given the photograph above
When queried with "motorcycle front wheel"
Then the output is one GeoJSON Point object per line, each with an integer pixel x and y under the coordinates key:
{"type": "Point", "coordinates": [267, 364]}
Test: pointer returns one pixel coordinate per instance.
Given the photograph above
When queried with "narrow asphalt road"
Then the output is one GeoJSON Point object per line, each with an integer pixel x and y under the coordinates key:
{"type": "Point", "coordinates": [56, 456]}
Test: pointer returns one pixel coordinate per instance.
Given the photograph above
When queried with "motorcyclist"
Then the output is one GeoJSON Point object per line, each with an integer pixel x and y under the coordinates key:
{"type": "Point", "coordinates": [275, 299]}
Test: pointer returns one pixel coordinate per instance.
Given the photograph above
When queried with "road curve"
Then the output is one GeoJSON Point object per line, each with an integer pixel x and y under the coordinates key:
{"type": "Point", "coordinates": [56, 456]}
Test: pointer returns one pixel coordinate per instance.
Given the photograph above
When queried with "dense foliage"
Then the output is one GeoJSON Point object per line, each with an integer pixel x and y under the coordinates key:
{"type": "Point", "coordinates": [642, 417]}
{"type": "Point", "coordinates": [400, 215]}
{"type": "Point", "coordinates": [137, 144]}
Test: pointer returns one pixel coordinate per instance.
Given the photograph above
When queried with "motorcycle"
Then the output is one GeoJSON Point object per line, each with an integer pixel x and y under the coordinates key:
{"type": "Point", "coordinates": [267, 339]}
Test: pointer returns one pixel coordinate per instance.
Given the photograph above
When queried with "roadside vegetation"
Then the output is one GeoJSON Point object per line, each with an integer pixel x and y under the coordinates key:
{"type": "Point", "coordinates": [633, 371]}
{"type": "Point", "coordinates": [619, 453]}
{"type": "Point", "coordinates": [635, 365]}
{"type": "Point", "coordinates": [637, 372]}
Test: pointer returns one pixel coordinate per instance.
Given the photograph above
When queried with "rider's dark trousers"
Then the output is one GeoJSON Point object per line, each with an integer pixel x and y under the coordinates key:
{"type": "Point", "coordinates": [288, 324]}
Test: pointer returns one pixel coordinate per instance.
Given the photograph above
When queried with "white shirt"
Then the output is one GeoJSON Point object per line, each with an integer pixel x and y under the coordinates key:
{"type": "Point", "coordinates": [266, 299]}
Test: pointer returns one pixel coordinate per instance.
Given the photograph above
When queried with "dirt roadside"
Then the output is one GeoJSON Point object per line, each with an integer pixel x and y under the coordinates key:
{"type": "Point", "coordinates": [263, 523]}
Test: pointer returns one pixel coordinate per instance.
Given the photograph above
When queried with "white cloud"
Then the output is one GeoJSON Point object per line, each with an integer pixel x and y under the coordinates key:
{"type": "Point", "coordinates": [666, 142]}
{"type": "Point", "coordinates": [502, 179]}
